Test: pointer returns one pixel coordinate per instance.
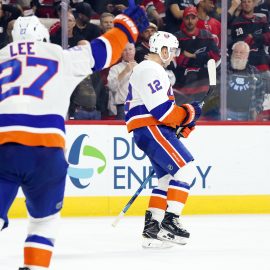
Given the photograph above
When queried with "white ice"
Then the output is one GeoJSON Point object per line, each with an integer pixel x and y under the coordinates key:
{"type": "Point", "coordinates": [218, 242]}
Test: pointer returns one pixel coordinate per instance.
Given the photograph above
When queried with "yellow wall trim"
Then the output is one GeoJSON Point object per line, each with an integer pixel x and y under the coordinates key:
{"type": "Point", "coordinates": [111, 206]}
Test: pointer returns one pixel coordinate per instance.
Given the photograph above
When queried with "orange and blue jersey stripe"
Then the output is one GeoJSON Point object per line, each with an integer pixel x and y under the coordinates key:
{"type": "Point", "coordinates": [33, 130]}
{"type": "Point", "coordinates": [166, 113]}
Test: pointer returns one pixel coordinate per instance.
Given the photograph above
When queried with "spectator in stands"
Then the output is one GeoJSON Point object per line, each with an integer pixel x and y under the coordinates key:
{"type": "Point", "coordinates": [234, 9]}
{"type": "Point", "coordinates": [28, 7]}
{"type": "Point", "coordinates": [174, 14]}
{"type": "Point", "coordinates": [264, 8]}
{"type": "Point", "coordinates": [55, 27]}
{"type": "Point", "coordinates": [73, 36]}
{"type": "Point", "coordinates": [118, 79]}
{"type": "Point", "coordinates": [155, 11]}
{"type": "Point", "coordinates": [142, 47]}
{"type": "Point", "coordinates": [205, 8]}
{"type": "Point", "coordinates": [197, 47]}
{"type": "Point", "coordinates": [245, 87]}
{"type": "Point", "coordinates": [116, 6]}
{"type": "Point", "coordinates": [86, 100]}
{"type": "Point", "coordinates": [106, 21]}
{"type": "Point", "coordinates": [107, 98]}
{"type": "Point", "coordinates": [254, 30]}
{"type": "Point", "coordinates": [45, 8]}
{"type": "Point", "coordinates": [9, 30]}
{"type": "Point", "coordinates": [83, 26]}
{"type": "Point", "coordinates": [216, 13]}
{"type": "Point", "coordinates": [83, 102]}
{"type": "Point", "coordinates": [98, 6]}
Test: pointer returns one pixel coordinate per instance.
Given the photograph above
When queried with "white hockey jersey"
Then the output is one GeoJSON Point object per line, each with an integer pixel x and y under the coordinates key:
{"type": "Point", "coordinates": [37, 80]}
{"type": "Point", "coordinates": [34, 75]}
{"type": "Point", "coordinates": [150, 100]}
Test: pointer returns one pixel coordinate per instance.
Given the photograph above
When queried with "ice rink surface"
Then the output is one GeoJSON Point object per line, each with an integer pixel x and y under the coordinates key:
{"type": "Point", "coordinates": [217, 242]}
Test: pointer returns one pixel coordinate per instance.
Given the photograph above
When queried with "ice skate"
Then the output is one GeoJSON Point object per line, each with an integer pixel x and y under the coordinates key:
{"type": "Point", "coordinates": [171, 230]}
{"type": "Point", "coordinates": [150, 231]}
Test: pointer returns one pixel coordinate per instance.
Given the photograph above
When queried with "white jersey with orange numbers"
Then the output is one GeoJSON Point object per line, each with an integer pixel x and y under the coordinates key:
{"type": "Point", "coordinates": [150, 100]}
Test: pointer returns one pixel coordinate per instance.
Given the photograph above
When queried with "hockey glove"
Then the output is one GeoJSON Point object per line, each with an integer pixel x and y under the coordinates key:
{"type": "Point", "coordinates": [193, 112]}
{"type": "Point", "coordinates": [183, 132]}
{"type": "Point", "coordinates": [132, 21]}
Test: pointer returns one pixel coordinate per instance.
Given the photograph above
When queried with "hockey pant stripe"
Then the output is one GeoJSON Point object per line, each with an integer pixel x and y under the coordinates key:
{"type": "Point", "coordinates": [167, 146]}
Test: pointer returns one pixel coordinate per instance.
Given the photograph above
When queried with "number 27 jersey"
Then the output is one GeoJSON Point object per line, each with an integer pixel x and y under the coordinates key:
{"type": "Point", "coordinates": [36, 81]}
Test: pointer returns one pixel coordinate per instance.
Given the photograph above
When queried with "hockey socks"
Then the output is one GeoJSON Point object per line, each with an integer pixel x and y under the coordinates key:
{"type": "Point", "coordinates": [37, 252]}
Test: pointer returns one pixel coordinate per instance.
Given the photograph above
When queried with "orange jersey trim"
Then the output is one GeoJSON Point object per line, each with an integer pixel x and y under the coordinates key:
{"type": "Point", "coordinates": [142, 122]}
{"type": "Point", "coordinates": [174, 119]}
{"type": "Point", "coordinates": [32, 139]}
{"type": "Point", "coordinates": [37, 257]}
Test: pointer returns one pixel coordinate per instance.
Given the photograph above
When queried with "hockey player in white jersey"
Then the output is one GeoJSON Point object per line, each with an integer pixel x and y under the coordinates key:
{"type": "Point", "coordinates": [153, 116]}
{"type": "Point", "coordinates": [36, 81]}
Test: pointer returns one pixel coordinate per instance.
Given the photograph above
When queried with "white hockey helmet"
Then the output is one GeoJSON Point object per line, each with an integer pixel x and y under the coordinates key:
{"type": "Point", "coordinates": [30, 28]}
{"type": "Point", "coordinates": [162, 39]}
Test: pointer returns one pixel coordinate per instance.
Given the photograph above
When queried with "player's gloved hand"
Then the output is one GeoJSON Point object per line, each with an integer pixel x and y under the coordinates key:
{"type": "Point", "coordinates": [132, 21]}
{"type": "Point", "coordinates": [138, 15]}
{"type": "Point", "coordinates": [183, 132]}
{"type": "Point", "coordinates": [193, 112]}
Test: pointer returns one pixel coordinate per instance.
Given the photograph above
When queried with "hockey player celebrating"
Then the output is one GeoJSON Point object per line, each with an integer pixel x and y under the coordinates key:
{"type": "Point", "coordinates": [36, 81]}
{"type": "Point", "coordinates": [153, 116]}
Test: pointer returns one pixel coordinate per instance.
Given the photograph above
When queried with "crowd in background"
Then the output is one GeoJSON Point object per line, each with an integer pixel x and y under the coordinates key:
{"type": "Point", "coordinates": [197, 26]}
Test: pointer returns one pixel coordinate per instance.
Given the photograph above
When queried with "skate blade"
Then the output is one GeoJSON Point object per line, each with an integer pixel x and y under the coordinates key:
{"type": "Point", "coordinates": [164, 235]}
{"type": "Point", "coordinates": [151, 243]}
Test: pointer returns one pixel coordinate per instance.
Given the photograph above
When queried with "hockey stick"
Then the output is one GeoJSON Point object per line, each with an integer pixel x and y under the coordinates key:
{"type": "Point", "coordinates": [211, 67]}
{"type": "Point", "coordinates": [133, 198]}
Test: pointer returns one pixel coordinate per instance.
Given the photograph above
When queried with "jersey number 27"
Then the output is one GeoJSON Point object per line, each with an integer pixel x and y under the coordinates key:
{"type": "Point", "coordinates": [35, 89]}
